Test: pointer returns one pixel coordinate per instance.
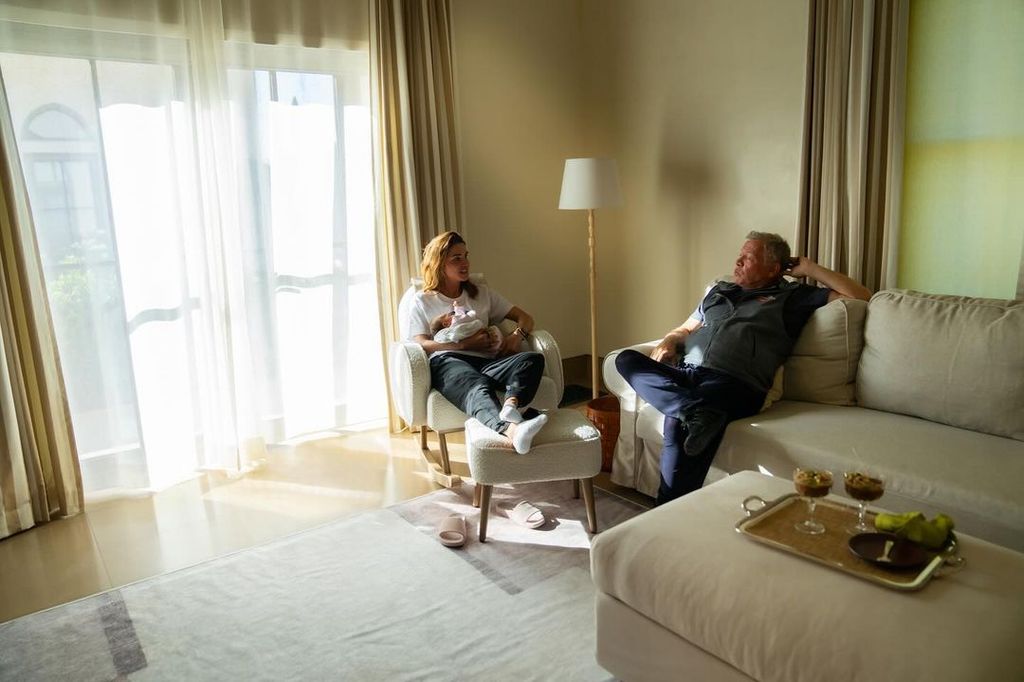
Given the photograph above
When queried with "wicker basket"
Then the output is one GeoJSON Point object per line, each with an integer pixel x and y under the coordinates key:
{"type": "Point", "coordinates": [604, 413]}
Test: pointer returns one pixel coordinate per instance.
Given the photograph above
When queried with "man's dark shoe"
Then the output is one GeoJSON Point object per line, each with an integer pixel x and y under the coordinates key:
{"type": "Point", "coordinates": [704, 426]}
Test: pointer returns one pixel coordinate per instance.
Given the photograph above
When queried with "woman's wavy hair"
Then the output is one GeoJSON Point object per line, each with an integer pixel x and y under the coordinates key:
{"type": "Point", "coordinates": [434, 255]}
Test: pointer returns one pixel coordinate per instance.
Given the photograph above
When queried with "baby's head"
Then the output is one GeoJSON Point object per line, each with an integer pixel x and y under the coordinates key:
{"type": "Point", "coordinates": [461, 314]}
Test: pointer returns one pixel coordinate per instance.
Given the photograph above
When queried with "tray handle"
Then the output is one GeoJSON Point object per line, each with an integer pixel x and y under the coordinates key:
{"type": "Point", "coordinates": [753, 499]}
{"type": "Point", "coordinates": [952, 562]}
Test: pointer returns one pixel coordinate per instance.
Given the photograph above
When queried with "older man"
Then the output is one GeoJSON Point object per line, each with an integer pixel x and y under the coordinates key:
{"type": "Point", "coordinates": [733, 343]}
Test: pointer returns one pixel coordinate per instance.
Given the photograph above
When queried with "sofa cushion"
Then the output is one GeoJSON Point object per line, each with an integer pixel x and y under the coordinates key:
{"type": "Point", "coordinates": [925, 463]}
{"type": "Point", "coordinates": [949, 359]}
{"type": "Point", "coordinates": [823, 365]}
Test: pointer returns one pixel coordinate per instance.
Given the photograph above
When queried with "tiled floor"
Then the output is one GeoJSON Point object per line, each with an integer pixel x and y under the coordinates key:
{"type": "Point", "coordinates": [121, 541]}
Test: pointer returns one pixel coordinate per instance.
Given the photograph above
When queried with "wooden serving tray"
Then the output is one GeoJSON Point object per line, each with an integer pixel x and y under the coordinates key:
{"type": "Point", "coordinates": [773, 525]}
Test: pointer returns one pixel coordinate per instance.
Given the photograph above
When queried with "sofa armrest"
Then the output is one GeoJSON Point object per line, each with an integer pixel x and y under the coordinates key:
{"type": "Point", "coordinates": [614, 381]}
{"type": "Point", "coordinates": [625, 467]}
{"type": "Point", "coordinates": [542, 342]}
{"type": "Point", "coordinates": [410, 381]}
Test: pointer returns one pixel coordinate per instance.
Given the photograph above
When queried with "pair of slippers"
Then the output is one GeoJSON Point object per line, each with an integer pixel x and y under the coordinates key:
{"type": "Point", "coordinates": [452, 532]}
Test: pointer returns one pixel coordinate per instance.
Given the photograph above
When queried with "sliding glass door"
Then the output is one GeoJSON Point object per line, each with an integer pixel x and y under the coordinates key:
{"type": "Point", "coordinates": [213, 285]}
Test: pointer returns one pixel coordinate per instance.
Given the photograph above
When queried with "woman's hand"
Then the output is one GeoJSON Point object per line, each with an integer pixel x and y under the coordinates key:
{"type": "Point", "coordinates": [481, 341]}
{"type": "Point", "coordinates": [510, 345]}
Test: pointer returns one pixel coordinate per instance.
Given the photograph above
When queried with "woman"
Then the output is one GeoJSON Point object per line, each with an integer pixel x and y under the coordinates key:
{"type": "Point", "coordinates": [466, 372]}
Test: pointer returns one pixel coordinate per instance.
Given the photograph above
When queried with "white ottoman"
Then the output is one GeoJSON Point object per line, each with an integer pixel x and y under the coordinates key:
{"type": "Point", "coordinates": [568, 447]}
{"type": "Point", "coordinates": [681, 594]}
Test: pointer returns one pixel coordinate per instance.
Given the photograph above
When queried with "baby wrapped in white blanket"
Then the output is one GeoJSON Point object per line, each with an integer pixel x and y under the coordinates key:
{"type": "Point", "coordinates": [463, 324]}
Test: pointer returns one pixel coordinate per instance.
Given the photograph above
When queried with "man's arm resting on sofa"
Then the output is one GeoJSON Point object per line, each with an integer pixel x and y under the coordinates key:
{"type": "Point", "coordinates": [668, 350]}
{"type": "Point", "coordinates": [841, 285]}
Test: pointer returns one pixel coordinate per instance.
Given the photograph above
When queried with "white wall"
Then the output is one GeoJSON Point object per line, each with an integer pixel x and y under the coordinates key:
{"type": "Point", "coordinates": [519, 85]}
{"type": "Point", "coordinates": [702, 104]}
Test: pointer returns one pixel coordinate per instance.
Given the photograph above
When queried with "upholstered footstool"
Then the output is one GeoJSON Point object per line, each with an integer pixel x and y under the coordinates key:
{"type": "Point", "coordinates": [567, 448]}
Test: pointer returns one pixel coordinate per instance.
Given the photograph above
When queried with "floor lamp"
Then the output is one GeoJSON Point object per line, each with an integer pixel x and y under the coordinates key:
{"type": "Point", "coordinates": [589, 184]}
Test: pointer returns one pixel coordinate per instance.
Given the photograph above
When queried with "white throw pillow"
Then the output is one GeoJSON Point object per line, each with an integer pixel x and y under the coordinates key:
{"type": "Point", "coordinates": [823, 365]}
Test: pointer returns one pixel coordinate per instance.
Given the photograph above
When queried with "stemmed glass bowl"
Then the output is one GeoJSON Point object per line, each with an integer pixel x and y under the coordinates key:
{"type": "Point", "coordinates": [864, 486]}
{"type": "Point", "coordinates": [811, 484]}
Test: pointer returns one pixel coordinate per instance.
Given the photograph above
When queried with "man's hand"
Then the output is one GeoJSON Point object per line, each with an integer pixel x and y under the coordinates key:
{"type": "Point", "coordinates": [841, 285]}
{"type": "Point", "coordinates": [667, 351]}
{"type": "Point", "coordinates": [801, 267]}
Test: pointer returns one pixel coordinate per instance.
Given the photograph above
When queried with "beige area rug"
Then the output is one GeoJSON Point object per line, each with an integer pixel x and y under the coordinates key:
{"type": "Point", "coordinates": [371, 597]}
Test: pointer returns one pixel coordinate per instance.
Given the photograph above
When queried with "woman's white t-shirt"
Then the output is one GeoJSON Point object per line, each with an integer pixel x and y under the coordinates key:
{"type": "Point", "coordinates": [489, 305]}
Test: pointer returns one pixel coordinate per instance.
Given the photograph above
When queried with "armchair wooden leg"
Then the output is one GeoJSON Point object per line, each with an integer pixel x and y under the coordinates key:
{"type": "Point", "coordinates": [441, 473]}
{"type": "Point", "coordinates": [588, 498]}
{"type": "Point", "coordinates": [485, 506]}
{"type": "Point", "coordinates": [476, 495]}
{"type": "Point", "coordinates": [575, 488]}
{"type": "Point", "coordinates": [446, 464]}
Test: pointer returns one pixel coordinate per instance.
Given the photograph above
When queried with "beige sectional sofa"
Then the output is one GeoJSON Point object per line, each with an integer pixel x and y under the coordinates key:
{"type": "Point", "coordinates": [928, 389]}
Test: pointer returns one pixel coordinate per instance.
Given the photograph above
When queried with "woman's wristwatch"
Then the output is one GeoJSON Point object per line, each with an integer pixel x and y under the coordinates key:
{"type": "Point", "coordinates": [522, 332]}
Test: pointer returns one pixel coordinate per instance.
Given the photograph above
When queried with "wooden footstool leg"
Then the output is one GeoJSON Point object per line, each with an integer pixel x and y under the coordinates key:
{"type": "Point", "coordinates": [476, 495]}
{"type": "Point", "coordinates": [576, 488]}
{"type": "Point", "coordinates": [423, 437]}
{"type": "Point", "coordinates": [485, 506]}
{"type": "Point", "coordinates": [588, 498]}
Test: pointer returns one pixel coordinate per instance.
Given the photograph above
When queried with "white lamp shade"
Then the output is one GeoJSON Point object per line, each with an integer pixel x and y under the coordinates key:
{"type": "Point", "coordinates": [590, 183]}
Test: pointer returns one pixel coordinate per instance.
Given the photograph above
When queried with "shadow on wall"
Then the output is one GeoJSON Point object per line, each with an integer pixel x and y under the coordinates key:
{"type": "Point", "coordinates": [689, 188]}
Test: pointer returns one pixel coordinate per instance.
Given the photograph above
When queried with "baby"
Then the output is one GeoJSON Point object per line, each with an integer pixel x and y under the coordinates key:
{"type": "Point", "coordinates": [462, 323]}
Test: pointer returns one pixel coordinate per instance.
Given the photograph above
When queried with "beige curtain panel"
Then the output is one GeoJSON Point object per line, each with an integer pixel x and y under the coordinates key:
{"type": "Point", "coordinates": [40, 477]}
{"type": "Point", "coordinates": [853, 137]}
{"type": "Point", "coordinates": [418, 186]}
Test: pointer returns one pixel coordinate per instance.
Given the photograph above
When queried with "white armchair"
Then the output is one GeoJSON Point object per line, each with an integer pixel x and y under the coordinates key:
{"type": "Point", "coordinates": [424, 408]}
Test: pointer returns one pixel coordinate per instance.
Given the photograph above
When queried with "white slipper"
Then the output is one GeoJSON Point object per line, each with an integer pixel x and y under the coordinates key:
{"type": "Point", "coordinates": [526, 515]}
{"type": "Point", "coordinates": [452, 531]}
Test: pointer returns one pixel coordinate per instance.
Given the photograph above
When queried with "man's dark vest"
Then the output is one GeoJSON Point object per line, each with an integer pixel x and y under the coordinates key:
{"type": "Point", "coordinates": [744, 332]}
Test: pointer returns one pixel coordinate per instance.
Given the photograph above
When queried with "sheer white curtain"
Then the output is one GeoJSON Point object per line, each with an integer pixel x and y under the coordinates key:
{"type": "Point", "coordinates": [200, 178]}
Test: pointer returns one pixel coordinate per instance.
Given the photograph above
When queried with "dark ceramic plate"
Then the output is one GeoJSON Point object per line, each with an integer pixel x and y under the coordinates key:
{"type": "Point", "coordinates": [902, 554]}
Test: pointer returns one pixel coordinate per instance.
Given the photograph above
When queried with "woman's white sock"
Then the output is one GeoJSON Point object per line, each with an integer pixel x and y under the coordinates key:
{"type": "Point", "coordinates": [523, 437]}
{"type": "Point", "coordinates": [510, 413]}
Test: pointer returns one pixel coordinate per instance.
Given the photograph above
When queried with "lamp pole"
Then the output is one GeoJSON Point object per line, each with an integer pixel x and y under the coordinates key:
{"type": "Point", "coordinates": [589, 183]}
{"type": "Point", "coordinates": [594, 390]}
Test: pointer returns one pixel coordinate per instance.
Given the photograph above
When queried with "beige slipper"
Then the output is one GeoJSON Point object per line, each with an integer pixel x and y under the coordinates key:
{"type": "Point", "coordinates": [452, 531]}
{"type": "Point", "coordinates": [527, 515]}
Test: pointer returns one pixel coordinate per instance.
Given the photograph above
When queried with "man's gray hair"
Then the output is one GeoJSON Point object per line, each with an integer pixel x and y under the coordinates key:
{"type": "Point", "coordinates": [776, 249]}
